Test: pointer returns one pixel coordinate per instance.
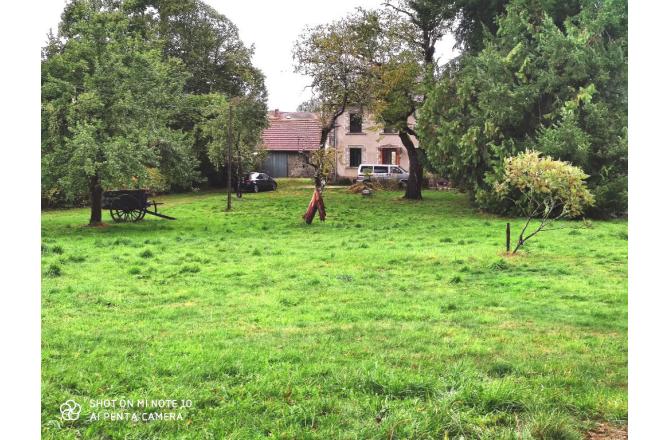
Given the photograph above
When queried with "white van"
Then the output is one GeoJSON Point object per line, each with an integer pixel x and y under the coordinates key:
{"type": "Point", "coordinates": [381, 171]}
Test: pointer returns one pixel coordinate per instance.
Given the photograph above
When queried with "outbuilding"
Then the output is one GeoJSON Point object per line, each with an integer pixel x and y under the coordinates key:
{"type": "Point", "coordinates": [289, 137]}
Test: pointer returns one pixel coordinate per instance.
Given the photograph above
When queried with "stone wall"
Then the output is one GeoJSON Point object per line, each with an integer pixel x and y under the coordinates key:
{"type": "Point", "coordinates": [297, 167]}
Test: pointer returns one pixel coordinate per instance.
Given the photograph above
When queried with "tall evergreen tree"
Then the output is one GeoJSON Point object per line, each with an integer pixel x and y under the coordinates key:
{"type": "Point", "coordinates": [561, 90]}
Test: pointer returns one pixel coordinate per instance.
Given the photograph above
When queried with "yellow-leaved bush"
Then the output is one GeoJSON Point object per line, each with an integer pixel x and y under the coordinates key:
{"type": "Point", "coordinates": [547, 187]}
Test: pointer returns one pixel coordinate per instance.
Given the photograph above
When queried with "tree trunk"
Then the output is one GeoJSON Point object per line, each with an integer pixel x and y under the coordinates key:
{"type": "Point", "coordinates": [414, 185]}
{"type": "Point", "coordinates": [95, 201]}
{"type": "Point", "coordinates": [324, 134]}
{"type": "Point", "coordinates": [229, 161]}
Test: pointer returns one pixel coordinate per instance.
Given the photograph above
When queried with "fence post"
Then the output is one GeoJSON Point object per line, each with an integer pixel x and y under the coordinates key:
{"type": "Point", "coordinates": [507, 237]}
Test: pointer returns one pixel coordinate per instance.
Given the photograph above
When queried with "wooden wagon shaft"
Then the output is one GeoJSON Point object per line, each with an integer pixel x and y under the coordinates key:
{"type": "Point", "coordinates": [157, 214]}
{"type": "Point", "coordinates": [155, 211]}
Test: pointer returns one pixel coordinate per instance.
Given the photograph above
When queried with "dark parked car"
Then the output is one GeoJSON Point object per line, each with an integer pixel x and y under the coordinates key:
{"type": "Point", "coordinates": [257, 182]}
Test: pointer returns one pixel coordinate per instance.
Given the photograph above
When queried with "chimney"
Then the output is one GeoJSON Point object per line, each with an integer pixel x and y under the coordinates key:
{"type": "Point", "coordinates": [276, 112]}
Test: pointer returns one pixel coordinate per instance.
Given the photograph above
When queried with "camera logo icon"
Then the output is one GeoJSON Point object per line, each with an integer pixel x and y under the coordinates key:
{"type": "Point", "coordinates": [70, 410]}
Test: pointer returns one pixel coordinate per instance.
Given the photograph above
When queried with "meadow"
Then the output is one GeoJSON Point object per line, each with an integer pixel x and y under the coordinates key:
{"type": "Point", "coordinates": [391, 320]}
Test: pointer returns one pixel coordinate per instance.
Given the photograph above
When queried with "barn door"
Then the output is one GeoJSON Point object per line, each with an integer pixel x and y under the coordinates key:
{"type": "Point", "coordinates": [276, 164]}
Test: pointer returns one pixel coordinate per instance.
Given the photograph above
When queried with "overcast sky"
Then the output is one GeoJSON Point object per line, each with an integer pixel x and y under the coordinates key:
{"type": "Point", "coordinates": [272, 26]}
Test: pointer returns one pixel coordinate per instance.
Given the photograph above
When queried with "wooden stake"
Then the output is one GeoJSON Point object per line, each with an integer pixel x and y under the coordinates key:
{"type": "Point", "coordinates": [507, 237]}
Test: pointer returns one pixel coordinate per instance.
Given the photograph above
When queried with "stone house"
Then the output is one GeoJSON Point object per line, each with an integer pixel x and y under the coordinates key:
{"type": "Point", "coordinates": [359, 139]}
{"type": "Point", "coordinates": [356, 136]}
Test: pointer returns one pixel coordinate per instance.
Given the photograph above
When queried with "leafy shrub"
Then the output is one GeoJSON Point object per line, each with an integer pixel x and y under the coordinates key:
{"type": "Point", "coordinates": [611, 198]}
{"type": "Point", "coordinates": [543, 189]}
{"type": "Point", "coordinates": [546, 186]}
{"type": "Point", "coordinates": [155, 180]}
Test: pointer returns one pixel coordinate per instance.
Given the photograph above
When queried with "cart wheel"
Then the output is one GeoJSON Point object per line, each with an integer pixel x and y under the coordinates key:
{"type": "Point", "coordinates": [127, 215]}
{"type": "Point", "coordinates": [136, 214]}
{"type": "Point", "coordinates": [126, 209]}
{"type": "Point", "coordinates": [115, 214]}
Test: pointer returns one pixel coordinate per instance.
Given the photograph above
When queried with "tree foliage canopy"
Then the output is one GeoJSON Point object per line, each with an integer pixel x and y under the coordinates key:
{"type": "Point", "coordinates": [247, 121]}
{"type": "Point", "coordinates": [332, 55]}
{"type": "Point", "coordinates": [108, 99]}
{"type": "Point", "coordinates": [127, 86]}
{"type": "Point", "coordinates": [536, 85]}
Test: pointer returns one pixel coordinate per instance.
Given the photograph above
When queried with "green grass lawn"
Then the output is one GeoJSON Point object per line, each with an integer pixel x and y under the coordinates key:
{"type": "Point", "coordinates": [392, 319]}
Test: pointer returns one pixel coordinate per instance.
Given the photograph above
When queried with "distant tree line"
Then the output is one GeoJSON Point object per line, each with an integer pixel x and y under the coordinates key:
{"type": "Point", "coordinates": [133, 93]}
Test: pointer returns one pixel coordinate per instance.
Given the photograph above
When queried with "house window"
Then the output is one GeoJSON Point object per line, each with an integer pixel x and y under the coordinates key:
{"type": "Point", "coordinates": [355, 156]}
{"type": "Point", "coordinates": [388, 156]}
{"type": "Point", "coordinates": [355, 122]}
{"type": "Point", "coordinates": [389, 130]}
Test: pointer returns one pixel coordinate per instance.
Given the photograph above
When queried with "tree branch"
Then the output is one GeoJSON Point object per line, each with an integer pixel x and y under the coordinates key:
{"type": "Point", "coordinates": [398, 9]}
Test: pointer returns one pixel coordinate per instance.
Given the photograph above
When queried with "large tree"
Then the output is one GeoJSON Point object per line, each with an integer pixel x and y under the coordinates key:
{"type": "Point", "coordinates": [404, 68]}
{"type": "Point", "coordinates": [237, 123]}
{"type": "Point", "coordinates": [559, 88]}
{"type": "Point", "coordinates": [330, 55]}
{"type": "Point", "coordinates": [108, 100]}
{"type": "Point", "coordinates": [209, 46]}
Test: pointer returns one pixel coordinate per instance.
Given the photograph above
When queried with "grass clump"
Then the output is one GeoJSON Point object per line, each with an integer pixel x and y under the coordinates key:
{"type": "Point", "coordinates": [134, 270]}
{"type": "Point", "coordinates": [53, 270]}
{"type": "Point", "coordinates": [448, 307]}
{"type": "Point", "coordinates": [552, 426]}
{"type": "Point", "coordinates": [76, 259]}
{"type": "Point", "coordinates": [500, 369]}
{"type": "Point", "coordinates": [190, 268]}
{"type": "Point", "coordinates": [146, 253]}
{"type": "Point", "coordinates": [455, 279]}
{"type": "Point", "coordinates": [499, 265]}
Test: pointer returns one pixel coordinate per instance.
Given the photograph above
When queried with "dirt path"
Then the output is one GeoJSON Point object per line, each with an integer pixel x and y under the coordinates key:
{"type": "Point", "coordinates": [606, 431]}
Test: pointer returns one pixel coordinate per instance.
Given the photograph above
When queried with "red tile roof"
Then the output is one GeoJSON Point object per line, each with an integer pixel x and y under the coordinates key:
{"type": "Point", "coordinates": [292, 131]}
